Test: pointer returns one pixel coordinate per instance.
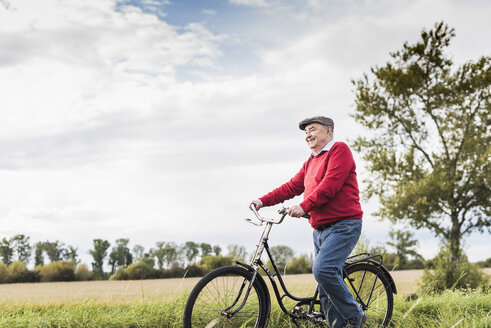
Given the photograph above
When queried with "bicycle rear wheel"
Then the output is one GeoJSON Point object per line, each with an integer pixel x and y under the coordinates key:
{"type": "Point", "coordinates": [214, 300]}
{"type": "Point", "coordinates": [371, 288]}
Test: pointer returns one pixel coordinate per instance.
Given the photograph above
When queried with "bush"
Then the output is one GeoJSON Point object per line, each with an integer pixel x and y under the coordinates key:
{"type": "Point", "coordinates": [299, 265]}
{"type": "Point", "coordinates": [57, 271]}
{"type": "Point", "coordinates": [174, 272]}
{"type": "Point", "coordinates": [18, 272]}
{"type": "Point", "coordinates": [141, 270]}
{"type": "Point", "coordinates": [209, 263]}
{"type": "Point", "coordinates": [98, 275]}
{"type": "Point", "coordinates": [120, 274]}
{"type": "Point", "coordinates": [4, 277]}
{"type": "Point", "coordinates": [443, 276]}
{"type": "Point", "coordinates": [485, 264]}
{"type": "Point", "coordinates": [194, 271]}
{"type": "Point", "coordinates": [82, 273]}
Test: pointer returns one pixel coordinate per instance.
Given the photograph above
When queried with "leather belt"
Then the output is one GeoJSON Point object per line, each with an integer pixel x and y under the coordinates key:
{"type": "Point", "coordinates": [325, 226]}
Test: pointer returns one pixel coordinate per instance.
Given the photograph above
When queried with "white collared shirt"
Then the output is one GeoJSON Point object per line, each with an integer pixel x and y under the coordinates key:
{"type": "Point", "coordinates": [326, 148]}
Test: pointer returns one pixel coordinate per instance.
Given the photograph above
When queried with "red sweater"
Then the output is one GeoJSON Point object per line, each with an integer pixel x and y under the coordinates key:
{"type": "Point", "coordinates": [329, 186]}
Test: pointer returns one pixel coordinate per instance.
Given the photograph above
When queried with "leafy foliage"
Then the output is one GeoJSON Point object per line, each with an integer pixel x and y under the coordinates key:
{"type": "Point", "coordinates": [99, 253]}
{"type": "Point", "coordinates": [466, 275]}
{"type": "Point", "coordinates": [301, 264]}
{"type": "Point", "coordinates": [6, 250]}
{"type": "Point", "coordinates": [430, 149]}
{"type": "Point", "coordinates": [404, 245]}
{"type": "Point", "coordinates": [18, 272]}
{"type": "Point", "coordinates": [57, 271]}
{"type": "Point", "coordinates": [82, 273]}
{"type": "Point", "coordinates": [209, 263]}
{"type": "Point", "coordinates": [120, 255]}
{"type": "Point", "coordinates": [140, 270]}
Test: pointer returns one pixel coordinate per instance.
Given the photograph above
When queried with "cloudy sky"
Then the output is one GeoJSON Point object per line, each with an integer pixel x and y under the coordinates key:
{"type": "Point", "coordinates": [161, 120]}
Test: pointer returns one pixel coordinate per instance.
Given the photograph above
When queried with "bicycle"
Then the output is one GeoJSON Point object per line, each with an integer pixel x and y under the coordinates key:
{"type": "Point", "coordinates": [237, 296]}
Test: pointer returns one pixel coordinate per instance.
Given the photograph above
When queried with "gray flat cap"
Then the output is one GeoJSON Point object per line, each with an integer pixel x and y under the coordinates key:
{"type": "Point", "coordinates": [316, 119]}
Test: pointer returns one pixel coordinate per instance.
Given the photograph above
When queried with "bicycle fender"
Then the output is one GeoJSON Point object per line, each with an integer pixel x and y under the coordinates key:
{"type": "Point", "coordinates": [387, 275]}
{"type": "Point", "coordinates": [259, 278]}
{"type": "Point", "coordinates": [384, 271]}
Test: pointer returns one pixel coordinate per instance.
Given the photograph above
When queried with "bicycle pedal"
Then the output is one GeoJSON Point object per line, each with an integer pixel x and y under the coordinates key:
{"type": "Point", "coordinates": [299, 312]}
{"type": "Point", "coordinates": [316, 316]}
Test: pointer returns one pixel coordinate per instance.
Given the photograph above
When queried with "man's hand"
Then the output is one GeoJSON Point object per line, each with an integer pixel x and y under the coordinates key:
{"type": "Point", "coordinates": [257, 203]}
{"type": "Point", "coordinates": [296, 211]}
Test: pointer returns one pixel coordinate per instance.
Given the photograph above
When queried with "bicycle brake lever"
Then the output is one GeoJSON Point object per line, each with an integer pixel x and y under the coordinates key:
{"type": "Point", "coordinates": [282, 210]}
{"type": "Point", "coordinates": [252, 222]}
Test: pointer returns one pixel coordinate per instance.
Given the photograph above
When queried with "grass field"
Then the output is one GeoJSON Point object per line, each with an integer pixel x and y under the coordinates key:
{"type": "Point", "coordinates": [159, 303]}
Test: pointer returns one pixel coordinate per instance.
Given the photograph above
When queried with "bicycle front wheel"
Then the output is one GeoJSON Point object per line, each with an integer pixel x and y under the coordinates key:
{"type": "Point", "coordinates": [371, 288]}
{"type": "Point", "coordinates": [223, 298]}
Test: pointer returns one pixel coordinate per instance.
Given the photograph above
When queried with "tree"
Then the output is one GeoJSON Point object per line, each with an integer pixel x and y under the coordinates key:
{"type": "Point", "coordinates": [281, 255]}
{"type": "Point", "coordinates": [54, 250]}
{"type": "Point", "coordinates": [159, 253]}
{"type": "Point", "coordinates": [191, 250]}
{"type": "Point", "coordinates": [171, 252]}
{"type": "Point", "coordinates": [71, 254]}
{"type": "Point", "coordinates": [217, 250]}
{"type": "Point", "coordinates": [6, 250]}
{"type": "Point", "coordinates": [430, 146]}
{"type": "Point", "coordinates": [206, 249]}
{"type": "Point", "coordinates": [404, 245]}
{"type": "Point", "coordinates": [236, 252]}
{"type": "Point", "coordinates": [138, 251]}
{"type": "Point", "coordinates": [120, 254]}
{"type": "Point", "coordinates": [113, 260]}
{"type": "Point", "coordinates": [99, 253]}
{"type": "Point", "coordinates": [39, 253]}
{"type": "Point", "coordinates": [22, 247]}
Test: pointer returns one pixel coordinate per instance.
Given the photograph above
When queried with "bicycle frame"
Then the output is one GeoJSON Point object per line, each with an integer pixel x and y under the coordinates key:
{"type": "Point", "coordinates": [256, 263]}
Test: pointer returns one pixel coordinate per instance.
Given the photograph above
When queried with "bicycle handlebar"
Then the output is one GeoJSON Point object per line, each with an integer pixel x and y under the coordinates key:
{"type": "Point", "coordinates": [283, 211]}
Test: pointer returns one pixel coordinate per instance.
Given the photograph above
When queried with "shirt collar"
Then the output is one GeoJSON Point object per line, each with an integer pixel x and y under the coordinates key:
{"type": "Point", "coordinates": [326, 148]}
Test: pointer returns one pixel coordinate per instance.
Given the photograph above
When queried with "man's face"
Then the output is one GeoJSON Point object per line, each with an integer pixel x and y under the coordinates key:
{"type": "Point", "coordinates": [317, 136]}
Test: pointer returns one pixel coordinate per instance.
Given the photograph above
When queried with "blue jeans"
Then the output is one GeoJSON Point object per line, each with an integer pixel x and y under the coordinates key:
{"type": "Point", "coordinates": [332, 246]}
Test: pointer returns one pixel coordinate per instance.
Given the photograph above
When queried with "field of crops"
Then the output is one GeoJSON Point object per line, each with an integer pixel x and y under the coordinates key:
{"type": "Point", "coordinates": [151, 290]}
{"type": "Point", "coordinates": [159, 303]}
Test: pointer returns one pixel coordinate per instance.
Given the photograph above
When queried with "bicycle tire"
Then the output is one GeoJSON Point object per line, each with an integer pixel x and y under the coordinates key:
{"type": "Point", "coordinates": [218, 290]}
{"type": "Point", "coordinates": [375, 292]}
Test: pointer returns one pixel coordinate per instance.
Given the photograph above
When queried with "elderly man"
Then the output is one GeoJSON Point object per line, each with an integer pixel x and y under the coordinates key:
{"type": "Point", "coordinates": [331, 198]}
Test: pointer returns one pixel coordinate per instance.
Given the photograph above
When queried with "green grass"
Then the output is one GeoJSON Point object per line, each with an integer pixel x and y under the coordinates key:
{"type": "Point", "coordinates": [93, 315]}
{"type": "Point", "coordinates": [451, 310]}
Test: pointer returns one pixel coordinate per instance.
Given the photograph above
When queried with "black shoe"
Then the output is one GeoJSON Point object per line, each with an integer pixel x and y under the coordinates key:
{"type": "Point", "coordinates": [357, 322]}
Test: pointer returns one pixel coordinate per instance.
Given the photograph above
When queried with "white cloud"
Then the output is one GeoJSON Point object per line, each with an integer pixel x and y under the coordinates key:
{"type": "Point", "coordinates": [6, 4]}
{"type": "Point", "coordinates": [252, 3]}
{"type": "Point", "coordinates": [77, 61]}
{"type": "Point", "coordinates": [316, 4]}
{"type": "Point", "coordinates": [210, 12]}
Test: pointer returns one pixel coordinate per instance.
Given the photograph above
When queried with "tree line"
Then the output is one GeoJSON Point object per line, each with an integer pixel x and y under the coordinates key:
{"type": "Point", "coordinates": [56, 261]}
